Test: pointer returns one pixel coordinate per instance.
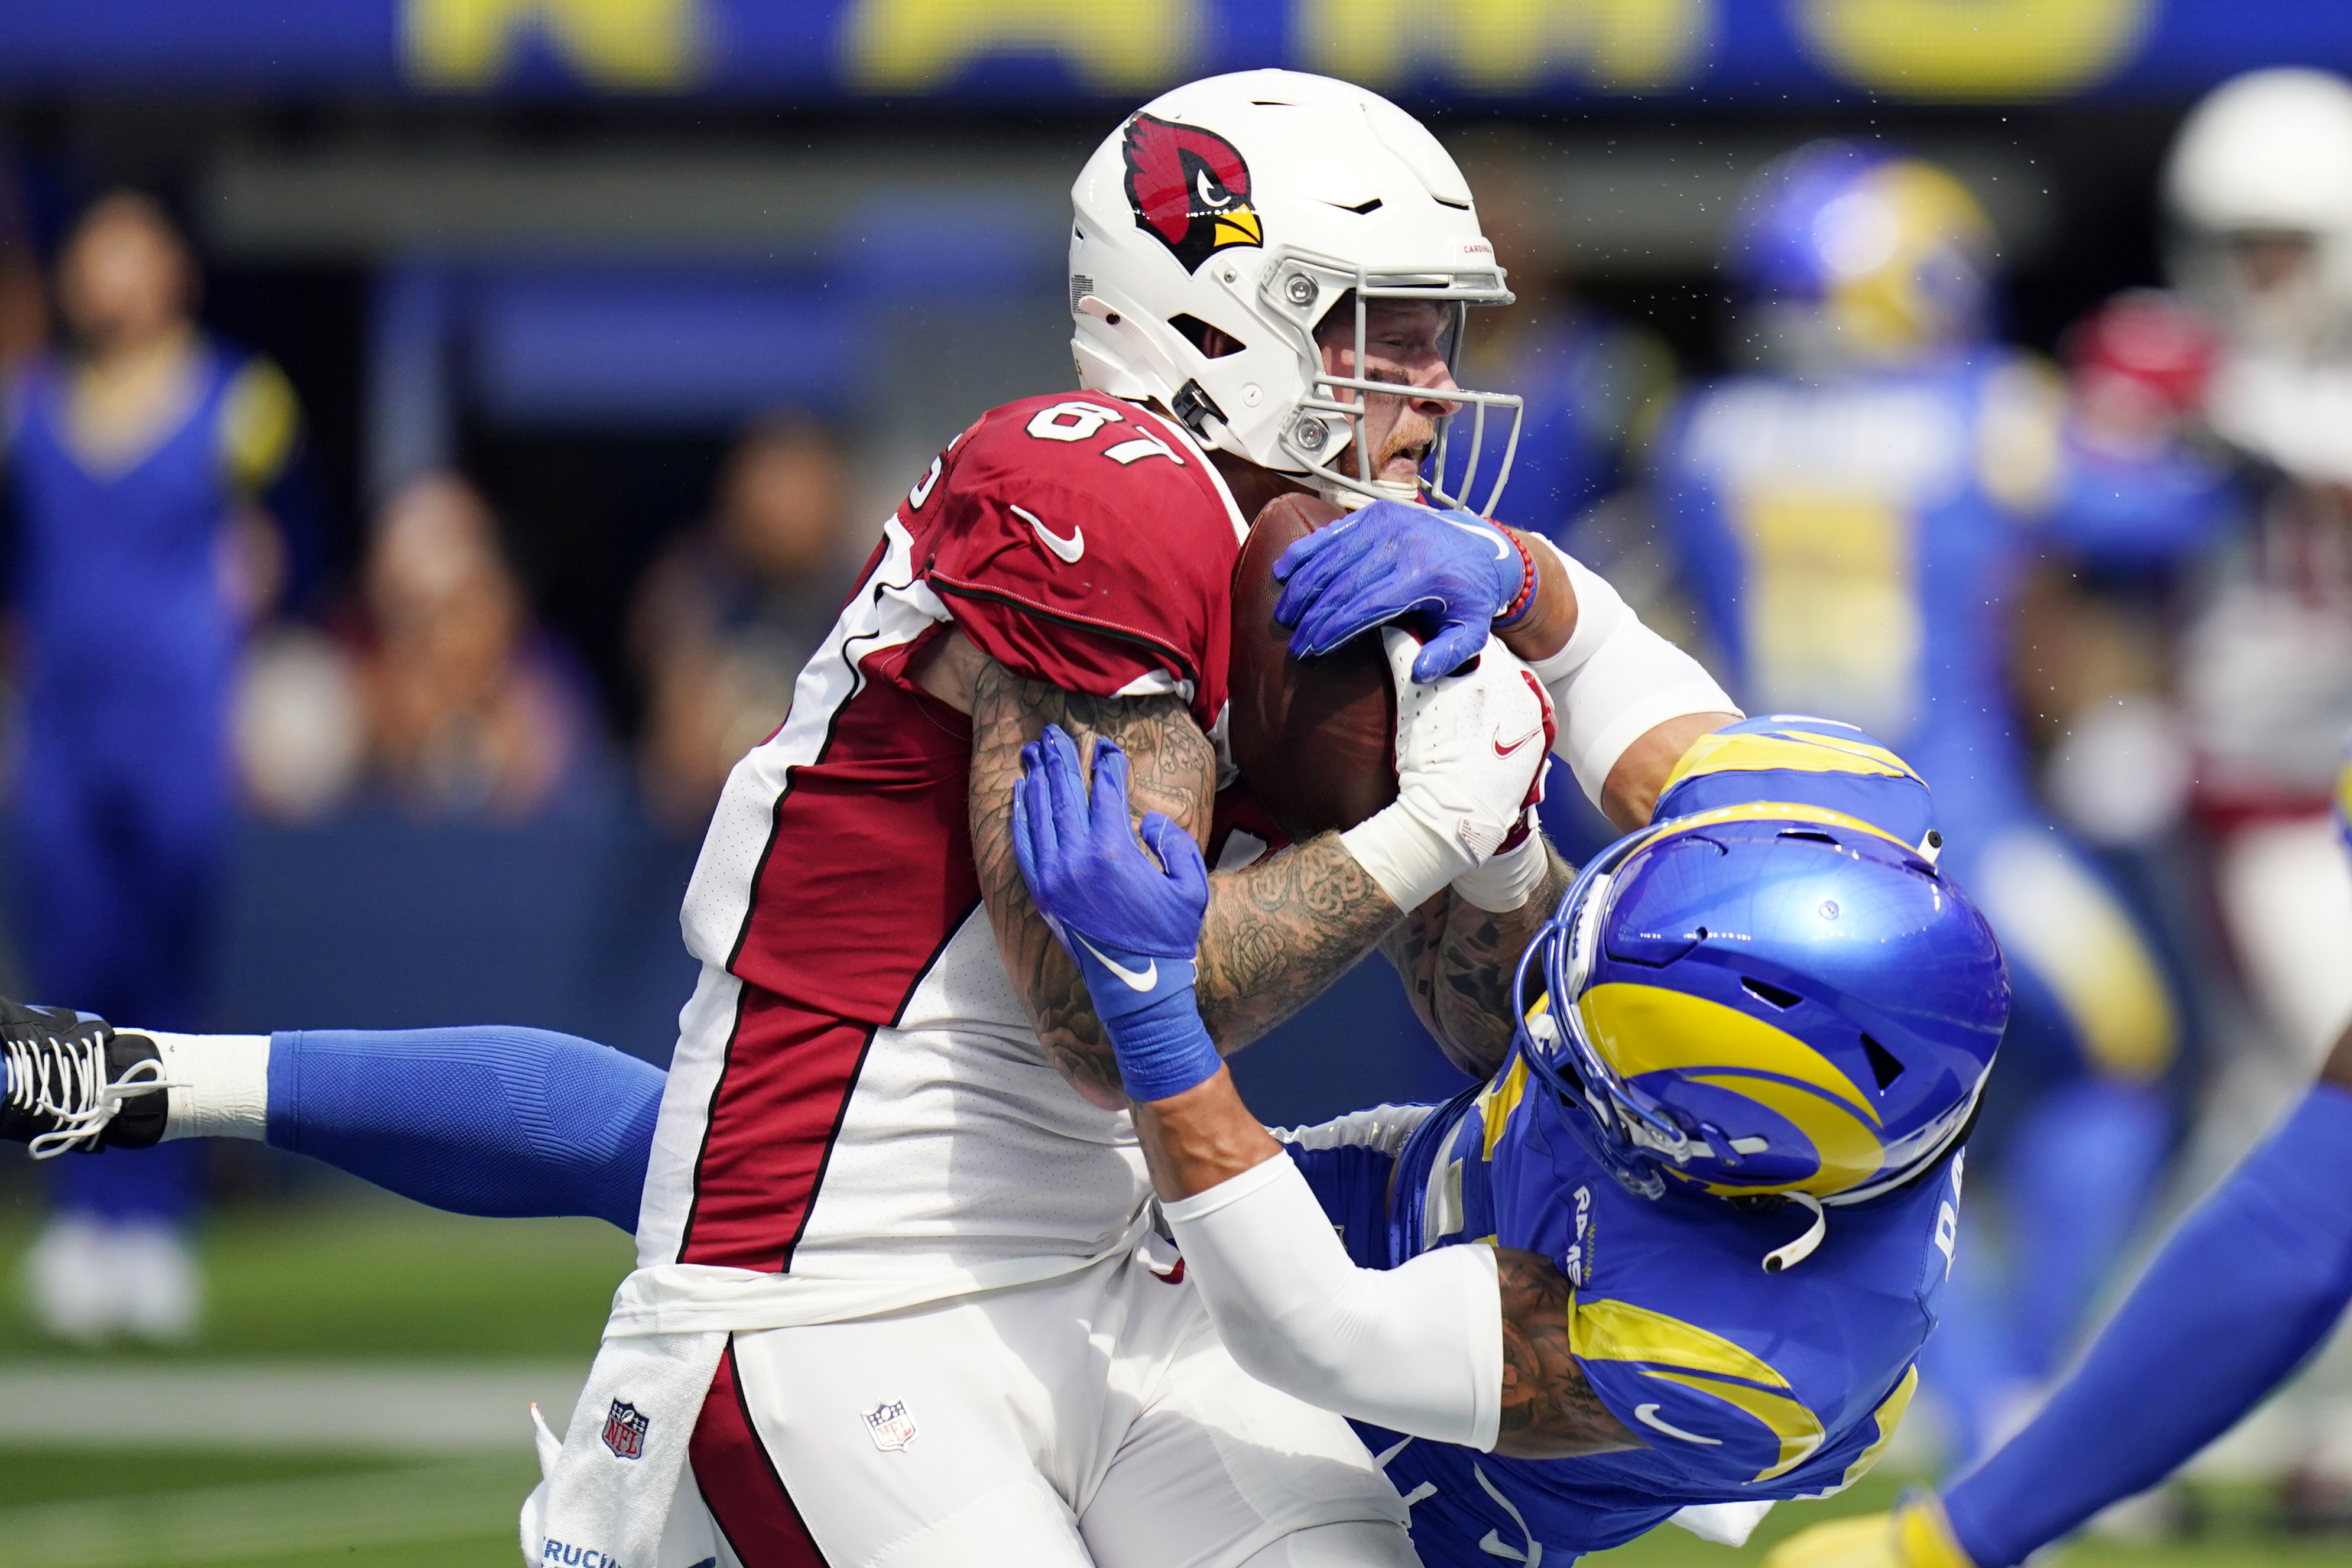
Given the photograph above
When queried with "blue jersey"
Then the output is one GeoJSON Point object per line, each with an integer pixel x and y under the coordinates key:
{"type": "Point", "coordinates": [1855, 544]}
{"type": "Point", "coordinates": [1745, 1385]}
{"type": "Point", "coordinates": [120, 573]}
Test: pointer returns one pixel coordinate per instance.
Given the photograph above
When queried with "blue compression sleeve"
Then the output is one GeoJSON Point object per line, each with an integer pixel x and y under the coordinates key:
{"type": "Point", "coordinates": [510, 1123]}
{"type": "Point", "coordinates": [2248, 1285]}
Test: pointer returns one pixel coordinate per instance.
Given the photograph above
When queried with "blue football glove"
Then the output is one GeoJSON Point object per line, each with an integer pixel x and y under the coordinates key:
{"type": "Point", "coordinates": [1390, 560]}
{"type": "Point", "coordinates": [1133, 927]}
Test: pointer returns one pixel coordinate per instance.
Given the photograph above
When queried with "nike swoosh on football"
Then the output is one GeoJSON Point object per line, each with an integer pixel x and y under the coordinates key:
{"type": "Point", "coordinates": [1069, 549]}
{"type": "Point", "coordinates": [1141, 979]}
{"type": "Point", "coordinates": [1647, 1415]}
{"type": "Point", "coordinates": [1502, 750]}
{"type": "Point", "coordinates": [1492, 537]}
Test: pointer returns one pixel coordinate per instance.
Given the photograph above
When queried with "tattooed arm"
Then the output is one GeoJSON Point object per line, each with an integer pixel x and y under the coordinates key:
{"type": "Point", "coordinates": [1277, 933]}
{"type": "Point", "coordinates": [1457, 961]}
{"type": "Point", "coordinates": [1549, 1411]}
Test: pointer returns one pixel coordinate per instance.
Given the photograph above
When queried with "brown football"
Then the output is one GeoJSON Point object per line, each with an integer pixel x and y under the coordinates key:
{"type": "Point", "coordinates": [1314, 738]}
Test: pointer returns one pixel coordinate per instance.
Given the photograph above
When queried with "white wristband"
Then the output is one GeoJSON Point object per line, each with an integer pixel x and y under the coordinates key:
{"type": "Point", "coordinates": [1407, 855]}
{"type": "Point", "coordinates": [1506, 881]}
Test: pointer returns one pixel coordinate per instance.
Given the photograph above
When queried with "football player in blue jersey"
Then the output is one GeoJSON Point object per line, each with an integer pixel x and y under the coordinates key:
{"type": "Point", "coordinates": [138, 462]}
{"type": "Point", "coordinates": [1682, 1249]}
{"type": "Point", "coordinates": [1719, 1207]}
{"type": "Point", "coordinates": [1856, 525]}
{"type": "Point", "coordinates": [2247, 1287]}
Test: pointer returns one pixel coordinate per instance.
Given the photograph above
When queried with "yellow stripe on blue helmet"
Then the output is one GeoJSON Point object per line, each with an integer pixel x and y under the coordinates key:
{"type": "Point", "coordinates": [1765, 997]}
{"type": "Point", "coordinates": [1812, 761]}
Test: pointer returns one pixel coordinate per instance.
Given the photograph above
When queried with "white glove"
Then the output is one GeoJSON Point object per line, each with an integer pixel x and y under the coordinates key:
{"type": "Point", "coordinates": [1470, 751]}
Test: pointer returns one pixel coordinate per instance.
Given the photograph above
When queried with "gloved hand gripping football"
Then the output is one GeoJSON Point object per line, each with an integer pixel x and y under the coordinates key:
{"type": "Point", "coordinates": [1393, 559]}
{"type": "Point", "coordinates": [1133, 925]}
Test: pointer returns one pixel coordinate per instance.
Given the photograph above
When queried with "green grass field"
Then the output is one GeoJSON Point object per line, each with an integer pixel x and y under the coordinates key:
{"type": "Point", "coordinates": [117, 1509]}
{"type": "Point", "coordinates": [377, 1279]}
{"type": "Point", "coordinates": [374, 1281]}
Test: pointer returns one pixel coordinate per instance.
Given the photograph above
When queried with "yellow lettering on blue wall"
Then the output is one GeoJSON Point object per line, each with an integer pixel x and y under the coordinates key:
{"type": "Point", "coordinates": [634, 45]}
{"type": "Point", "coordinates": [904, 45]}
{"type": "Point", "coordinates": [1961, 49]}
{"type": "Point", "coordinates": [1506, 46]}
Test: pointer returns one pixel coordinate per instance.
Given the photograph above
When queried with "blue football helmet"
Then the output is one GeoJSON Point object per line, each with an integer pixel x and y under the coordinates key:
{"type": "Point", "coordinates": [1811, 762]}
{"type": "Point", "coordinates": [1859, 256]}
{"type": "Point", "coordinates": [1771, 997]}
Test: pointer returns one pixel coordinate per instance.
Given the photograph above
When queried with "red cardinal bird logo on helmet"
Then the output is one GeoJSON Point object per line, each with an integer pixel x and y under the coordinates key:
{"type": "Point", "coordinates": [1190, 187]}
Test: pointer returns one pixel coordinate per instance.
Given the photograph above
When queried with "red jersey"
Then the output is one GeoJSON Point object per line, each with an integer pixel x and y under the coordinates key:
{"type": "Point", "coordinates": [857, 1094]}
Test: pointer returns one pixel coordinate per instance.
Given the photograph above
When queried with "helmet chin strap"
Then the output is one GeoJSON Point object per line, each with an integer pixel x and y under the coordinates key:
{"type": "Point", "coordinates": [1350, 499]}
{"type": "Point", "coordinates": [1803, 1248]}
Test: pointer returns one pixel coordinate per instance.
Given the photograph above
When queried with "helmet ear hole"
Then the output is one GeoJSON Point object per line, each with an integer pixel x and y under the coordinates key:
{"type": "Point", "coordinates": [1214, 342]}
{"type": "Point", "coordinates": [1883, 1063]}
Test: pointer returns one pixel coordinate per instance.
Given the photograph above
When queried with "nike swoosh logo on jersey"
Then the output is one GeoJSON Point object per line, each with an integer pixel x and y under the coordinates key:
{"type": "Point", "coordinates": [1502, 750]}
{"type": "Point", "coordinates": [1142, 979]}
{"type": "Point", "coordinates": [1647, 1415]}
{"type": "Point", "coordinates": [1502, 546]}
{"type": "Point", "coordinates": [1069, 549]}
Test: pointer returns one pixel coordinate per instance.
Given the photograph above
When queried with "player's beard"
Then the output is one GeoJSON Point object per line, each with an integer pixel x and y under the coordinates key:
{"type": "Point", "coordinates": [1406, 444]}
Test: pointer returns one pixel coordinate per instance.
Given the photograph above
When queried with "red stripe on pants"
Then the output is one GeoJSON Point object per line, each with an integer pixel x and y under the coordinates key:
{"type": "Point", "coordinates": [739, 1482]}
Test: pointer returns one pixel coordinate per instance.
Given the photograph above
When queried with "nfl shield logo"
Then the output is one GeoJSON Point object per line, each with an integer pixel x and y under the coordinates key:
{"type": "Point", "coordinates": [624, 1431]}
{"type": "Point", "coordinates": [892, 1427]}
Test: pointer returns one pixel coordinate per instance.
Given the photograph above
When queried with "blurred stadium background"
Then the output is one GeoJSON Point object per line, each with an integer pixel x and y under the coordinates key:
{"type": "Point", "coordinates": [612, 325]}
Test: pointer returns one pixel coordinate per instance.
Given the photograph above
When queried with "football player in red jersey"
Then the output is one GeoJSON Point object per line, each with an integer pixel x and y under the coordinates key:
{"type": "Point", "coordinates": [896, 1294]}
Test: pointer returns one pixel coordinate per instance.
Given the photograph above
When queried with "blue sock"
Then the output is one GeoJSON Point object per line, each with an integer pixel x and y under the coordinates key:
{"type": "Point", "coordinates": [511, 1123]}
{"type": "Point", "coordinates": [2246, 1288]}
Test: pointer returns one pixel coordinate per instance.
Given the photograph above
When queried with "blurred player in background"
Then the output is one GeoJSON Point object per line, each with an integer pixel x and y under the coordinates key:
{"type": "Point", "coordinates": [139, 459]}
{"type": "Point", "coordinates": [2259, 190]}
{"type": "Point", "coordinates": [1854, 520]}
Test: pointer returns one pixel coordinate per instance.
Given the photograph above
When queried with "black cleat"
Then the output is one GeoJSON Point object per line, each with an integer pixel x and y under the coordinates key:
{"type": "Point", "coordinates": [74, 1083]}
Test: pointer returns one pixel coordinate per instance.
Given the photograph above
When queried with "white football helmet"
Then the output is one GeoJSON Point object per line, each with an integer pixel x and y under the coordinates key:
{"type": "Point", "coordinates": [1253, 203]}
{"type": "Point", "coordinates": [2259, 184]}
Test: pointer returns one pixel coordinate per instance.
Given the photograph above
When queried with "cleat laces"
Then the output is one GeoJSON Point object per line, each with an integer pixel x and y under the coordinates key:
{"type": "Point", "coordinates": [64, 1079]}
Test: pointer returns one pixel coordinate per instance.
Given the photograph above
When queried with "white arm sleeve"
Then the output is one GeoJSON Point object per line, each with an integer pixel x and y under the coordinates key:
{"type": "Point", "coordinates": [1616, 680]}
{"type": "Point", "coordinates": [1417, 1349]}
